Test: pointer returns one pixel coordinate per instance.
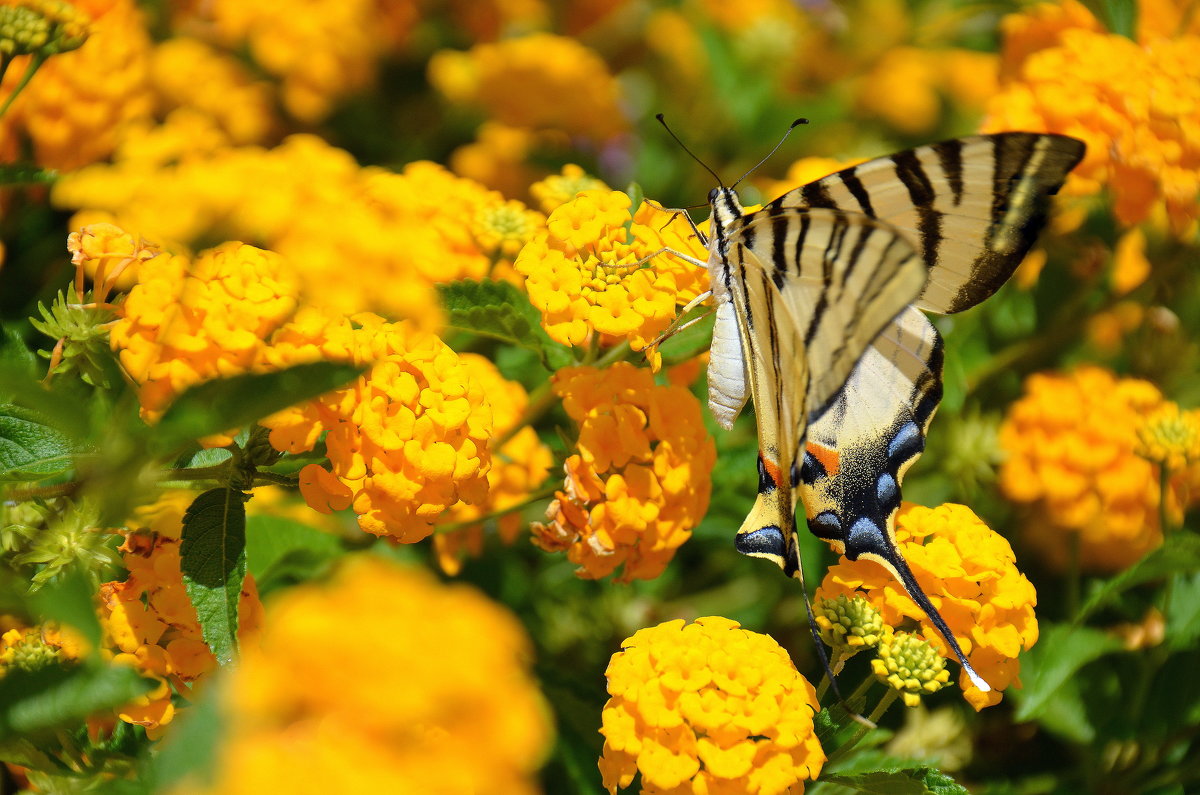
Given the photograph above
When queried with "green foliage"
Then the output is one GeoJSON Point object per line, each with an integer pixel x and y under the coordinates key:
{"type": "Point", "coordinates": [29, 448]}
{"type": "Point", "coordinates": [282, 551]}
{"type": "Point", "coordinates": [36, 702]}
{"type": "Point", "coordinates": [499, 311]}
{"type": "Point", "coordinates": [1179, 554]}
{"type": "Point", "coordinates": [213, 559]}
{"type": "Point", "coordinates": [894, 781]}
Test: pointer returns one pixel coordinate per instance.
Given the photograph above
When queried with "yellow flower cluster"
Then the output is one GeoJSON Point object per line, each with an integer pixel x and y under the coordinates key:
{"type": "Point", "coordinates": [109, 256]}
{"type": "Point", "coordinates": [910, 665]}
{"type": "Point", "coordinates": [640, 481]}
{"type": "Point", "coordinates": [406, 441]}
{"type": "Point", "coordinates": [188, 73]}
{"type": "Point", "coordinates": [149, 621]}
{"type": "Point", "coordinates": [1170, 437]}
{"type": "Point", "coordinates": [321, 49]}
{"type": "Point", "coordinates": [906, 87]}
{"type": "Point", "coordinates": [708, 707]}
{"type": "Point", "coordinates": [34, 648]}
{"type": "Point", "coordinates": [970, 575]}
{"type": "Point", "coordinates": [188, 321]}
{"type": "Point", "coordinates": [76, 108]}
{"type": "Point", "coordinates": [1072, 447]}
{"type": "Point", "coordinates": [315, 206]}
{"type": "Point", "coordinates": [384, 681]}
{"type": "Point", "coordinates": [557, 189]}
{"type": "Point", "coordinates": [588, 271]}
{"type": "Point", "coordinates": [1135, 104]}
{"type": "Point", "coordinates": [540, 81]}
{"type": "Point", "coordinates": [519, 466]}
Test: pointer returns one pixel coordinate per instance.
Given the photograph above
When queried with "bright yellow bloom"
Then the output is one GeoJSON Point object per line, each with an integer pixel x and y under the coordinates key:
{"type": "Point", "coordinates": [1072, 444]}
{"type": "Point", "coordinates": [1133, 103]}
{"type": "Point", "coordinates": [149, 621]}
{"type": "Point", "coordinates": [911, 665]}
{"type": "Point", "coordinates": [540, 81]}
{"type": "Point", "coordinates": [1170, 437]}
{"type": "Point", "coordinates": [499, 158]}
{"type": "Point", "coordinates": [640, 481]}
{"type": "Point", "coordinates": [79, 103]}
{"type": "Point", "coordinates": [587, 272]}
{"type": "Point", "coordinates": [406, 441]}
{"type": "Point", "coordinates": [188, 321]}
{"type": "Point", "coordinates": [970, 575]}
{"type": "Point", "coordinates": [708, 707]}
{"type": "Point", "coordinates": [109, 255]}
{"type": "Point", "coordinates": [519, 466]}
{"type": "Point", "coordinates": [189, 73]}
{"type": "Point", "coordinates": [1130, 265]}
{"type": "Point", "coordinates": [384, 680]}
{"type": "Point", "coordinates": [557, 189]}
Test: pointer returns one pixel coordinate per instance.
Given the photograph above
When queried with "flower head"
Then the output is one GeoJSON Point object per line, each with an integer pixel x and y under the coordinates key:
{"type": "Point", "coordinates": [708, 707]}
{"type": "Point", "coordinates": [848, 624]}
{"type": "Point", "coordinates": [1071, 443]}
{"type": "Point", "coordinates": [589, 272]}
{"type": "Point", "coordinates": [969, 573]}
{"type": "Point", "coordinates": [1170, 437]}
{"type": "Point", "coordinates": [385, 680]}
{"type": "Point", "coordinates": [910, 664]}
{"type": "Point", "coordinates": [557, 189]}
{"type": "Point", "coordinates": [640, 481]}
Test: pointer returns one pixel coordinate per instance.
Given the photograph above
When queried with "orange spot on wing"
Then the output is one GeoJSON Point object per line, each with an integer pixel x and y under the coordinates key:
{"type": "Point", "coordinates": [772, 470]}
{"type": "Point", "coordinates": [826, 455]}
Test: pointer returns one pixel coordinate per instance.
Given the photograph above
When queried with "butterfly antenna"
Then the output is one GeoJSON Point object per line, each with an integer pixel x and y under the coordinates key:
{"type": "Point", "coordinates": [775, 149]}
{"type": "Point", "coordinates": [663, 122]}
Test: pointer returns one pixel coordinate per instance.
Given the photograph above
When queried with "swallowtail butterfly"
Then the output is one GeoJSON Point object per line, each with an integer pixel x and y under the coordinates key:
{"type": "Point", "coordinates": [818, 321]}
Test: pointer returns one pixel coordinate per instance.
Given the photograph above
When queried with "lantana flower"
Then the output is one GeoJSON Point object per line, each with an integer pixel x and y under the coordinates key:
{"type": "Point", "coordinates": [969, 573]}
{"type": "Point", "coordinates": [708, 707]}
{"type": "Point", "coordinates": [385, 680]}
{"type": "Point", "coordinates": [639, 482]}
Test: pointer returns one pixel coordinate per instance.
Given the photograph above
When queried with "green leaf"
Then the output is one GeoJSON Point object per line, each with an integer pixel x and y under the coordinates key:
{"type": "Point", "coordinates": [68, 600]}
{"type": "Point", "coordinates": [15, 354]}
{"type": "Point", "coordinates": [213, 560]}
{"type": "Point", "coordinates": [26, 174]}
{"type": "Point", "coordinates": [1179, 554]}
{"type": "Point", "coordinates": [1119, 16]}
{"type": "Point", "coordinates": [190, 751]}
{"type": "Point", "coordinates": [502, 312]}
{"type": "Point", "coordinates": [899, 781]}
{"type": "Point", "coordinates": [227, 403]}
{"type": "Point", "coordinates": [54, 697]}
{"type": "Point", "coordinates": [1183, 615]}
{"type": "Point", "coordinates": [1060, 652]}
{"type": "Point", "coordinates": [284, 550]}
{"type": "Point", "coordinates": [29, 448]}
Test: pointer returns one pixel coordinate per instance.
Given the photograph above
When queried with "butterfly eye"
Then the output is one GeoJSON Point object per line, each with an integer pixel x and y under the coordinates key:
{"type": "Point", "coordinates": [713, 194]}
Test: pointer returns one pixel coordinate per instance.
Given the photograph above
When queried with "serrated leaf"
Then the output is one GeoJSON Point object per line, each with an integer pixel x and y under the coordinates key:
{"type": "Point", "coordinates": [900, 781]}
{"type": "Point", "coordinates": [50, 698]}
{"type": "Point", "coordinates": [1060, 652]}
{"type": "Point", "coordinates": [29, 448]}
{"type": "Point", "coordinates": [500, 311]}
{"type": "Point", "coordinates": [226, 403]}
{"type": "Point", "coordinates": [213, 561]}
{"type": "Point", "coordinates": [1179, 554]}
{"type": "Point", "coordinates": [278, 548]}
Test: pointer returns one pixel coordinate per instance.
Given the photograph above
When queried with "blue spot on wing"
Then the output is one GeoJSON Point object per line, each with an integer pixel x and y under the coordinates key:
{"type": "Point", "coordinates": [763, 541]}
{"type": "Point", "coordinates": [906, 443]}
{"type": "Point", "coordinates": [887, 492]}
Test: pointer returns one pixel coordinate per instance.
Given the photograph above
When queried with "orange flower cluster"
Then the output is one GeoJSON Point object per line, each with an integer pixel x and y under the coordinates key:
{"type": "Point", "coordinates": [1072, 443]}
{"type": "Point", "coordinates": [1135, 104]}
{"type": "Point", "coordinates": [540, 81]}
{"type": "Point", "coordinates": [406, 441]}
{"type": "Point", "coordinates": [589, 270]}
{"type": "Point", "coordinates": [970, 575]}
{"type": "Point", "coordinates": [384, 680]}
{"type": "Point", "coordinates": [80, 102]}
{"type": "Point", "coordinates": [640, 481]}
{"type": "Point", "coordinates": [188, 321]}
{"type": "Point", "coordinates": [906, 88]}
{"type": "Point", "coordinates": [708, 707]}
{"type": "Point", "coordinates": [149, 620]}
{"type": "Point", "coordinates": [519, 466]}
{"type": "Point", "coordinates": [395, 228]}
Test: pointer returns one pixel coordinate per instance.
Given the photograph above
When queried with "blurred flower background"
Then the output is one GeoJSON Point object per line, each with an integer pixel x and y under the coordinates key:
{"type": "Point", "coordinates": [337, 451]}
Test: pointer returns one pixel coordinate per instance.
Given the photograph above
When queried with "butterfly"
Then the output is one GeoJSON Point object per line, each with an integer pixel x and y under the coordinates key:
{"type": "Point", "coordinates": [819, 298]}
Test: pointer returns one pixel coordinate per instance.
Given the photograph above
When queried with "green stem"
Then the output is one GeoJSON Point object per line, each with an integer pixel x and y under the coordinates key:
{"type": "Point", "coordinates": [487, 517]}
{"type": "Point", "coordinates": [213, 472]}
{"type": "Point", "coordinates": [888, 698]}
{"type": "Point", "coordinates": [275, 479]}
{"type": "Point", "coordinates": [615, 354]}
{"type": "Point", "coordinates": [34, 65]}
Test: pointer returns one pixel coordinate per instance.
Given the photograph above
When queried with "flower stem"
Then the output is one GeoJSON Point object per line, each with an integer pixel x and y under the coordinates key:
{"type": "Point", "coordinates": [34, 65]}
{"type": "Point", "coordinates": [890, 696]}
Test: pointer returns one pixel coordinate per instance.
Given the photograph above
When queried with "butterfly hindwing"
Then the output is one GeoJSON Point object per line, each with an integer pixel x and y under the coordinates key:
{"type": "Point", "coordinates": [972, 206]}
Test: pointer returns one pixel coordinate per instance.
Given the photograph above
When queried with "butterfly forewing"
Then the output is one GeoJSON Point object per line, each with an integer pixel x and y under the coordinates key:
{"type": "Point", "coordinates": [972, 206]}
